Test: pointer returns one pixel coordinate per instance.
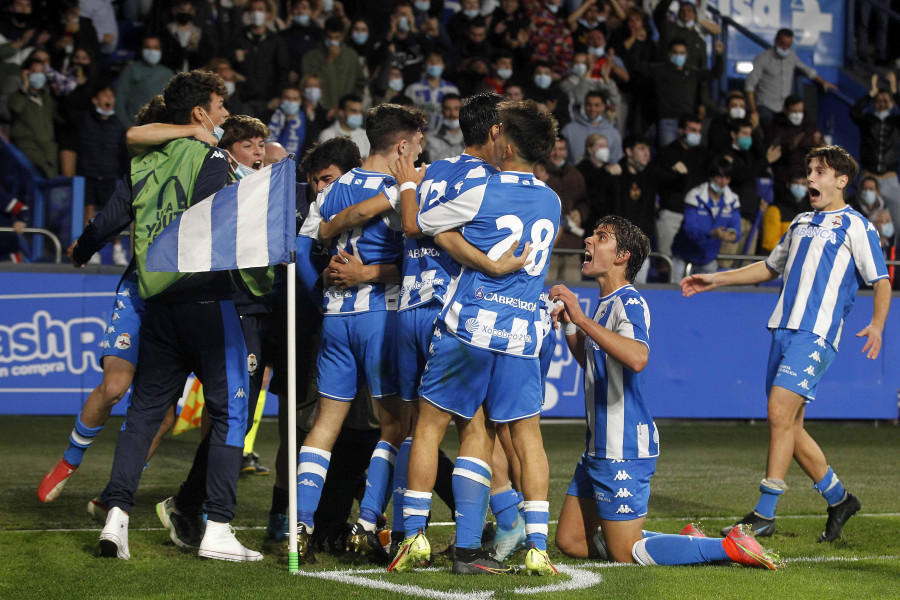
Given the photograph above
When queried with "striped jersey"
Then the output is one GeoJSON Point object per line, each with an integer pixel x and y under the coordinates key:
{"type": "Point", "coordinates": [824, 257]}
{"type": "Point", "coordinates": [378, 241]}
{"type": "Point", "coordinates": [499, 314]}
{"type": "Point", "coordinates": [427, 269]}
{"type": "Point", "coordinates": [619, 425]}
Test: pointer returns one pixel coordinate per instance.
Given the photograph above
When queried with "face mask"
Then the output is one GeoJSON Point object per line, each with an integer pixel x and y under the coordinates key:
{"type": "Point", "coordinates": [737, 113]}
{"type": "Point", "coordinates": [217, 131]}
{"type": "Point", "coordinates": [504, 73]}
{"type": "Point", "coordinates": [782, 52]}
{"type": "Point", "coordinates": [434, 70]}
{"type": "Point", "coordinates": [553, 8]}
{"type": "Point", "coordinates": [636, 165]}
{"type": "Point", "coordinates": [258, 18]}
{"type": "Point", "coordinates": [687, 24]}
{"type": "Point", "coordinates": [795, 117]}
{"type": "Point", "coordinates": [882, 114]}
{"type": "Point", "coordinates": [579, 69]}
{"type": "Point", "coordinates": [242, 171]}
{"type": "Point", "coordinates": [692, 139]}
{"type": "Point", "coordinates": [332, 43]}
{"type": "Point", "coordinates": [678, 59]}
{"type": "Point", "coordinates": [105, 113]}
{"type": "Point", "coordinates": [543, 81]}
{"type": "Point", "coordinates": [451, 124]}
{"type": "Point", "coordinates": [471, 14]}
{"type": "Point", "coordinates": [290, 108]}
{"type": "Point", "coordinates": [422, 5]}
{"type": "Point", "coordinates": [601, 155]}
{"type": "Point", "coordinates": [229, 87]}
{"type": "Point", "coordinates": [887, 230]}
{"type": "Point", "coordinates": [598, 52]}
{"type": "Point", "coordinates": [37, 80]}
{"type": "Point", "coordinates": [403, 24]}
{"type": "Point", "coordinates": [302, 20]}
{"type": "Point", "coordinates": [183, 18]}
{"type": "Point", "coordinates": [868, 197]}
{"type": "Point", "coordinates": [715, 188]}
{"type": "Point", "coordinates": [744, 142]}
{"type": "Point", "coordinates": [313, 94]}
{"type": "Point", "coordinates": [798, 190]}
{"type": "Point", "coordinates": [396, 85]}
{"type": "Point", "coordinates": [354, 121]}
{"type": "Point", "coordinates": [360, 37]}
{"type": "Point", "coordinates": [587, 25]}
{"type": "Point", "coordinates": [327, 5]}
{"type": "Point", "coordinates": [151, 56]}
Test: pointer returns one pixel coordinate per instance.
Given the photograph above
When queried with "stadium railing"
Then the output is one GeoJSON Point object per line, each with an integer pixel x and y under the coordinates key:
{"type": "Point", "coordinates": [57, 246]}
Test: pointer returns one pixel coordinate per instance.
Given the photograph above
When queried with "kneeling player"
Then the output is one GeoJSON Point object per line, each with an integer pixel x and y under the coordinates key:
{"type": "Point", "coordinates": [604, 510]}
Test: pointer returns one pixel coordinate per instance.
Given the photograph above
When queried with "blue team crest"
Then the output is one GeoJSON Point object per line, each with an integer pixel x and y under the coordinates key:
{"type": "Point", "coordinates": [479, 293]}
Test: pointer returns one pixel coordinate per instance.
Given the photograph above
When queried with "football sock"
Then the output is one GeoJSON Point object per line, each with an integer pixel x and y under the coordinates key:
{"type": "Point", "coordinates": [416, 506]}
{"type": "Point", "coordinates": [521, 505]}
{"type": "Point", "coordinates": [378, 482]}
{"type": "Point", "coordinates": [831, 488]}
{"type": "Point", "coordinates": [537, 515]}
{"type": "Point", "coordinates": [79, 440]}
{"type": "Point", "coordinates": [472, 490]}
{"type": "Point", "coordinates": [504, 505]}
{"type": "Point", "coordinates": [665, 549]}
{"type": "Point", "coordinates": [399, 485]}
{"type": "Point", "coordinates": [312, 468]}
{"type": "Point", "coordinates": [771, 489]}
{"type": "Point", "coordinates": [250, 438]}
{"type": "Point", "coordinates": [443, 485]}
{"type": "Point", "coordinates": [280, 501]}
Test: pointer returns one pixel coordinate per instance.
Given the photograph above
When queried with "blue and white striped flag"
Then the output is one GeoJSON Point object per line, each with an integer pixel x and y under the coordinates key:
{"type": "Point", "coordinates": [251, 223]}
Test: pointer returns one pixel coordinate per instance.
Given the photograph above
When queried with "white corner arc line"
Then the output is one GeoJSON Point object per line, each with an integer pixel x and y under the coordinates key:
{"type": "Point", "coordinates": [354, 577]}
{"type": "Point", "coordinates": [581, 579]}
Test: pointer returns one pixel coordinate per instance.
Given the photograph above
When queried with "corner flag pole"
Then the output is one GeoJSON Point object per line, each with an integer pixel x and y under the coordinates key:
{"type": "Point", "coordinates": [293, 558]}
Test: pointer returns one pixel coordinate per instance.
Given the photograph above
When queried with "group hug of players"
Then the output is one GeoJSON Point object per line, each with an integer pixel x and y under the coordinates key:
{"type": "Point", "coordinates": [433, 300]}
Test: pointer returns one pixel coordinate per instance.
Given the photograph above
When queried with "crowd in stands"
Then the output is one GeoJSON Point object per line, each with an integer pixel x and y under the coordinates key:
{"type": "Point", "coordinates": [628, 81]}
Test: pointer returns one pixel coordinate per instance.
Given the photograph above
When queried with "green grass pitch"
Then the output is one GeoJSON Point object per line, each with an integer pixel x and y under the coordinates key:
{"type": "Point", "coordinates": [708, 472]}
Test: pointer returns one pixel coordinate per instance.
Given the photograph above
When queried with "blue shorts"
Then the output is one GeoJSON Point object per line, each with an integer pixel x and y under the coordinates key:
{"type": "Point", "coordinates": [416, 326]}
{"type": "Point", "coordinates": [124, 324]}
{"type": "Point", "coordinates": [358, 344]}
{"type": "Point", "coordinates": [621, 488]}
{"type": "Point", "coordinates": [458, 378]}
{"type": "Point", "coordinates": [797, 361]}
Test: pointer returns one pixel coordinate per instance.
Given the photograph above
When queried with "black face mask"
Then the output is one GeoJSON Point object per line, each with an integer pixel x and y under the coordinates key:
{"type": "Point", "coordinates": [24, 18]}
{"type": "Point", "coordinates": [183, 18]}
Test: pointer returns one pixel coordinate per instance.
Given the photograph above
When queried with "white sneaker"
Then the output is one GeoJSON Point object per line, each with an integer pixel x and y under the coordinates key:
{"type": "Point", "coordinates": [95, 259]}
{"type": "Point", "coordinates": [119, 256]}
{"type": "Point", "coordinates": [219, 543]}
{"type": "Point", "coordinates": [114, 537]}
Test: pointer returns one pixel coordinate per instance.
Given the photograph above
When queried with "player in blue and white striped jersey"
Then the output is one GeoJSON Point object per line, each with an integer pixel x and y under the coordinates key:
{"type": "Point", "coordinates": [606, 504]}
{"type": "Point", "coordinates": [823, 257]}
{"type": "Point", "coordinates": [359, 329]}
{"type": "Point", "coordinates": [485, 348]}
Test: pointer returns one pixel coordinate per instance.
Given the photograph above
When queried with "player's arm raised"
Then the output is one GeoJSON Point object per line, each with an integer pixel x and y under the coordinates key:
{"type": "Point", "coordinates": [354, 216]}
{"type": "Point", "coordinates": [469, 256]}
{"type": "Point", "coordinates": [758, 272]}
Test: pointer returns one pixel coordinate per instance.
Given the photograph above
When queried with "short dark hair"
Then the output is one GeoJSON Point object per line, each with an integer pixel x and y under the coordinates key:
{"type": "Point", "coordinates": [737, 124]}
{"type": "Point", "coordinates": [792, 100]}
{"type": "Point", "coordinates": [477, 114]}
{"type": "Point", "coordinates": [334, 24]}
{"type": "Point", "coordinates": [676, 41]}
{"type": "Point", "coordinates": [341, 152]}
{"type": "Point", "coordinates": [836, 158]}
{"type": "Point", "coordinates": [187, 90]}
{"type": "Point", "coordinates": [242, 127]}
{"type": "Point", "coordinates": [101, 85]}
{"type": "Point", "coordinates": [629, 238]}
{"type": "Point", "coordinates": [686, 118]}
{"type": "Point", "coordinates": [596, 94]}
{"type": "Point", "coordinates": [633, 140]}
{"type": "Point", "coordinates": [152, 112]}
{"type": "Point", "coordinates": [342, 102]}
{"type": "Point", "coordinates": [450, 97]}
{"type": "Point", "coordinates": [784, 32]}
{"type": "Point", "coordinates": [863, 180]}
{"type": "Point", "coordinates": [735, 94]}
{"type": "Point", "coordinates": [390, 123]}
{"type": "Point", "coordinates": [530, 127]}
{"type": "Point", "coordinates": [720, 166]}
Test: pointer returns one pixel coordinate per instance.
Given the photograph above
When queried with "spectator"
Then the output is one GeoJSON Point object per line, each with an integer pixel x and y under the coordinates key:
{"type": "Point", "coordinates": [15, 214]}
{"type": "Point", "coordinates": [336, 65]}
{"type": "Point", "coordinates": [597, 170]}
{"type": "Point", "coordinates": [458, 24]}
{"type": "Point", "coordinates": [885, 226]}
{"type": "Point", "coordinates": [508, 28]}
{"type": "Point", "coordinates": [184, 47]}
{"type": "Point", "coordinates": [789, 201]}
{"type": "Point", "coordinates": [429, 92]}
{"type": "Point", "coordinates": [316, 115]}
{"type": "Point", "coordinates": [72, 106]}
{"type": "Point", "coordinates": [679, 167]}
{"type": "Point", "coordinates": [868, 199]}
{"type": "Point", "coordinates": [711, 216]}
{"type": "Point", "coordinates": [686, 28]}
{"type": "Point", "coordinates": [220, 25]}
{"type": "Point", "coordinates": [500, 72]}
{"type": "Point", "coordinates": [141, 80]}
{"type": "Point", "coordinates": [568, 183]}
{"type": "Point", "coordinates": [349, 123]}
{"type": "Point", "coordinates": [865, 15]}
{"type": "Point", "coordinates": [447, 141]}
{"type": "Point", "coordinates": [287, 125]}
{"type": "Point", "coordinates": [233, 102]}
{"type": "Point", "coordinates": [879, 140]}
{"type": "Point", "coordinates": [20, 34]}
{"type": "Point", "coordinates": [604, 63]}
{"type": "Point", "coordinates": [591, 120]}
{"type": "Point", "coordinates": [395, 85]}
{"type": "Point", "coordinates": [275, 153]}
{"type": "Point", "coordinates": [545, 90]}
{"type": "Point", "coordinates": [579, 82]}
{"type": "Point", "coordinates": [103, 16]}
{"type": "Point", "coordinates": [261, 57]}
{"type": "Point", "coordinates": [678, 88]}
{"type": "Point", "coordinates": [475, 44]}
{"type": "Point", "coordinates": [719, 132]}
{"type": "Point", "coordinates": [360, 40]}
{"type": "Point", "coordinates": [551, 40]}
{"type": "Point", "coordinates": [796, 134]}
{"type": "Point", "coordinates": [301, 36]}
{"type": "Point", "coordinates": [633, 188]}
{"type": "Point", "coordinates": [770, 82]}
{"type": "Point", "coordinates": [590, 16]}
{"type": "Point", "coordinates": [403, 48]}
{"type": "Point", "coordinates": [515, 92]}
{"type": "Point", "coordinates": [634, 45]}
{"type": "Point", "coordinates": [33, 112]}
{"type": "Point", "coordinates": [326, 9]}
{"type": "Point", "coordinates": [69, 31]}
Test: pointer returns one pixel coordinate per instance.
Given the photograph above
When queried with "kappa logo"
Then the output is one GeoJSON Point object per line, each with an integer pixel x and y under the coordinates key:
{"type": "Point", "coordinates": [105, 344]}
{"type": "Point", "coordinates": [621, 475]}
{"type": "Point", "coordinates": [240, 393]}
{"type": "Point", "coordinates": [123, 342]}
{"type": "Point", "coordinates": [115, 316]}
{"type": "Point", "coordinates": [110, 329]}
{"type": "Point", "coordinates": [815, 356]}
{"type": "Point", "coordinates": [821, 343]}
{"type": "Point", "coordinates": [217, 154]}
{"type": "Point", "coordinates": [623, 493]}
{"type": "Point", "coordinates": [633, 301]}
{"type": "Point", "coordinates": [810, 371]}
{"type": "Point", "coordinates": [618, 460]}
{"type": "Point", "coordinates": [804, 384]}
{"type": "Point", "coordinates": [308, 483]}
{"type": "Point", "coordinates": [457, 514]}
{"type": "Point", "coordinates": [458, 187]}
{"type": "Point", "coordinates": [399, 490]}
{"type": "Point", "coordinates": [120, 304]}
{"type": "Point", "coordinates": [126, 293]}
{"type": "Point", "coordinates": [624, 510]}
{"type": "Point", "coordinates": [252, 363]}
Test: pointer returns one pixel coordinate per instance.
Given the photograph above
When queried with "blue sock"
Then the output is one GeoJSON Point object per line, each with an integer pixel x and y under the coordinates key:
{"type": "Point", "coordinates": [664, 549]}
{"type": "Point", "coordinates": [378, 483]}
{"type": "Point", "coordinates": [521, 505]}
{"type": "Point", "coordinates": [537, 516]}
{"type": "Point", "coordinates": [472, 491]}
{"type": "Point", "coordinates": [771, 490]}
{"type": "Point", "coordinates": [831, 488]}
{"type": "Point", "coordinates": [79, 440]}
{"type": "Point", "coordinates": [416, 506]}
{"type": "Point", "coordinates": [399, 485]}
{"type": "Point", "coordinates": [504, 505]}
{"type": "Point", "coordinates": [311, 471]}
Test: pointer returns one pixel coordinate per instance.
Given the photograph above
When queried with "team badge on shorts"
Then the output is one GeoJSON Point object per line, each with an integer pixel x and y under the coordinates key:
{"type": "Point", "coordinates": [252, 363]}
{"type": "Point", "coordinates": [123, 342]}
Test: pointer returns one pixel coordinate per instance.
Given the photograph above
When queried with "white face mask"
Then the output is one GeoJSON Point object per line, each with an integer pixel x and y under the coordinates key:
{"type": "Point", "coordinates": [737, 113]}
{"type": "Point", "coordinates": [601, 155]}
{"type": "Point", "coordinates": [579, 69]}
{"type": "Point", "coordinates": [882, 114]}
{"type": "Point", "coordinates": [258, 18]}
{"type": "Point", "coordinates": [795, 117]}
{"type": "Point", "coordinates": [504, 74]}
{"type": "Point", "coordinates": [868, 197]}
{"type": "Point", "coordinates": [396, 85]}
{"type": "Point", "coordinates": [229, 87]}
{"type": "Point", "coordinates": [313, 94]}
